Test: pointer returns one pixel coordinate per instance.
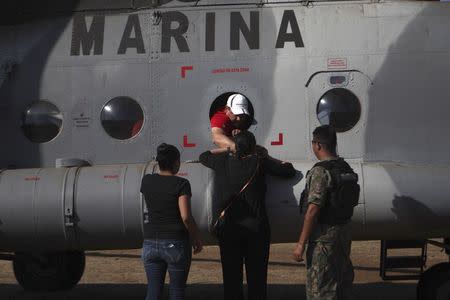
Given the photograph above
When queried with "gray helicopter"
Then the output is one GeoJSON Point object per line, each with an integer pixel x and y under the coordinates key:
{"type": "Point", "coordinates": [88, 89]}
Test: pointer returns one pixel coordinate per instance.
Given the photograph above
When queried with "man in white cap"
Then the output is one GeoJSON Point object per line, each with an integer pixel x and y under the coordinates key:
{"type": "Point", "coordinates": [228, 119]}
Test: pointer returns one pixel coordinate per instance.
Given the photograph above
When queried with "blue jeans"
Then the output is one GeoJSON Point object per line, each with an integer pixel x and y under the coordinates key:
{"type": "Point", "coordinates": [162, 255]}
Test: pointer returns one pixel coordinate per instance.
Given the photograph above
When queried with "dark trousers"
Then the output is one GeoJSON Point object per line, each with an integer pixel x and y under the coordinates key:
{"type": "Point", "coordinates": [238, 247]}
{"type": "Point", "coordinates": [160, 256]}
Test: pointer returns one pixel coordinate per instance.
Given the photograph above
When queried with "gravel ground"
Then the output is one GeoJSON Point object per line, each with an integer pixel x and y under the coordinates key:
{"type": "Point", "coordinates": [115, 275]}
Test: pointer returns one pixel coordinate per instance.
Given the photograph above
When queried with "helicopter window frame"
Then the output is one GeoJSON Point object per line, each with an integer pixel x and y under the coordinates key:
{"type": "Point", "coordinates": [353, 106]}
{"type": "Point", "coordinates": [221, 101]}
{"type": "Point", "coordinates": [51, 111]}
{"type": "Point", "coordinates": [122, 136]}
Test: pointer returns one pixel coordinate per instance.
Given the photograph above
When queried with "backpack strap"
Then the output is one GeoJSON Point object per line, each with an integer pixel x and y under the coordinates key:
{"type": "Point", "coordinates": [334, 164]}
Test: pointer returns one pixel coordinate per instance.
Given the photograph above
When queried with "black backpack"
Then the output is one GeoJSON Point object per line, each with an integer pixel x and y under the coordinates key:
{"type": "Point", "coordinates": [343, 194]}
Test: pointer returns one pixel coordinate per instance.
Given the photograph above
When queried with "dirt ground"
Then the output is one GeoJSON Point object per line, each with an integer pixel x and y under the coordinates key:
{"type": "Point", "coordinates": [115, 275]}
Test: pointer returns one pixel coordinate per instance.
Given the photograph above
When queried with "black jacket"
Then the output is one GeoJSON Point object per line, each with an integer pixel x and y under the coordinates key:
{"type": "Point", "coordinates": [232, 173]}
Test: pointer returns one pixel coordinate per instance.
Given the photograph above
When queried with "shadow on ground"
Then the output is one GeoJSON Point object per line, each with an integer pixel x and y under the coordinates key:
{"type": "Point", "coordinates": [216, 260]}
{"type": "Point", "coordinates": [370, 291]}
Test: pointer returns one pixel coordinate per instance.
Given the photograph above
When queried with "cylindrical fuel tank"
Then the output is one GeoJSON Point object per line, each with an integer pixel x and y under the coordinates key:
{"type": "Point", "coordinates": [84, 208]}
{"type": "Point", "coordinates": [108, 207]}
{"type": "Point", "coordinates": [32, 208]}
{"type": "Point", "coordinates": [71, 208]}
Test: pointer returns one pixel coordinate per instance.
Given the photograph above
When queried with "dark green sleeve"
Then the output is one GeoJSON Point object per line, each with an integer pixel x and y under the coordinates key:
{"type": "Point", "coordinates": [319, 182]}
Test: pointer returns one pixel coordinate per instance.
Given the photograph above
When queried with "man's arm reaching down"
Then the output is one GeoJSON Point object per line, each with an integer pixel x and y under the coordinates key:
{"type": "Point", "coordinates": [220, 139]}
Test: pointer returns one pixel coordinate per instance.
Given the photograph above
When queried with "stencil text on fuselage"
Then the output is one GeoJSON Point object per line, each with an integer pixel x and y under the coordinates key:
{"type": "Point", "coordinates": [88, 32]}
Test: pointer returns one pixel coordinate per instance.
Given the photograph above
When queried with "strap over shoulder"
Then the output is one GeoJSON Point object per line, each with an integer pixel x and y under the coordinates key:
{"type": "Point", "coordinates": [243, 188]}
{"type": "Point", "coordinates": [251, 178]}
{"type": "Point", "coordinates": [333, 164]}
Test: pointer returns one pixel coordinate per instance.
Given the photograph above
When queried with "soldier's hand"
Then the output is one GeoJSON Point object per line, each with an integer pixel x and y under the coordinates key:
{"type": "Point", "coordinates": [298, 252]}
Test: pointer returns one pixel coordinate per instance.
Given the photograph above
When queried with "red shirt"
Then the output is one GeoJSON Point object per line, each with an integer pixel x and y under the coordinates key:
{"type": "Point", "coordinates": [136, 127]}
{"type": "Point", "coordinates": [220, 120]}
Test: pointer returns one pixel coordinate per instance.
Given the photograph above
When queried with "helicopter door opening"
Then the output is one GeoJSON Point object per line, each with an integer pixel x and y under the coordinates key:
{"type": "Point", "coordinates": [340, 99]}
{"type": "Point", "coordinates": [221, 101]}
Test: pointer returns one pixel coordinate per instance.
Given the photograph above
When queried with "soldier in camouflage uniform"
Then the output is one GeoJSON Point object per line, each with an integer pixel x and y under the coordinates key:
{"type": "Point", "coordinates": [329, 268]}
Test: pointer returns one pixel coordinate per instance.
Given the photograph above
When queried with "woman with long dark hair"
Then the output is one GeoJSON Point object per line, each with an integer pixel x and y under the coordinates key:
{"type": "Point", "coordinates": [171, 229]}
{"type": "Point", "coordinates": [245, 236]}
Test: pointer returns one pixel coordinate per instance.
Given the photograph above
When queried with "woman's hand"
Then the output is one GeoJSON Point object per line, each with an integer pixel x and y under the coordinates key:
{"type": "Point", "coordinates": [184, 204]}
{"type": "Point", "coordinates": [197, 245]}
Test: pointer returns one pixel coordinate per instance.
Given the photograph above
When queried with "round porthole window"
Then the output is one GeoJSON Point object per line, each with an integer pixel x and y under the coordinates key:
{"type": "Point", "coordinates": [122, 118]}
{"type": "Point", "coordinates": [42, 122]}
{"type": "Point", "coordinates": [339, 108]}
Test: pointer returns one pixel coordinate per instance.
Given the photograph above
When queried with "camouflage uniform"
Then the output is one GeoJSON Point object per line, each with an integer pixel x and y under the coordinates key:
{"type": "Point", "coordinates": [329, 268]}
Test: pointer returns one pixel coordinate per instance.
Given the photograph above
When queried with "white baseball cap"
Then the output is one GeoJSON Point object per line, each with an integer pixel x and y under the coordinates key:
{"type": "Point", "coordinates": [238, 104]}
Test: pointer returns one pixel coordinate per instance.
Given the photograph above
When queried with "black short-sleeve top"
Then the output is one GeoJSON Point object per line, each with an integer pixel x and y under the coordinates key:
{"type": "Point", "coordinates": [161, 195]}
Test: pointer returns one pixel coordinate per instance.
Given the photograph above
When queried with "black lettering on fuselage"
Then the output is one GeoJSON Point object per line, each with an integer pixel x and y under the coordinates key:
{"type": "Point", "coordinates": [177, 34]}
{"type": "Point", "coordinates": [85, 38]}
{"type": "Point", "coordinates": [283, 36]}
{"type": "Point", "coordinates": [175, 25]}
{"type": "Point", "coordinates": [238, 25]}
{"type": "Point", "coordinates": [127, 41]}
{"type": "Point", "coordinates": [210, 38]}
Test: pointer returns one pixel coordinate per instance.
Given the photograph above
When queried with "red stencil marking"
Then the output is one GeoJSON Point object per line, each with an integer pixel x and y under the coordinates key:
{"type": "Point", "coordinates": [186, 143]}
{"type": "Point", "coordinates": [337, 63]}
{"type": "Point", "coordinates": [231, 70]}
{"type": "Point", "coordinates": [184, 69]}
{"type": "Point", "coordinates": [279, 142]}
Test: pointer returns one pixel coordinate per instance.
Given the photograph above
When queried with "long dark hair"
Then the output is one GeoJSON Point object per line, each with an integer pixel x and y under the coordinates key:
{"type": "Point", "coordinates": [167, 157]}
{"type": "Point", "coordinates": [245, 143]}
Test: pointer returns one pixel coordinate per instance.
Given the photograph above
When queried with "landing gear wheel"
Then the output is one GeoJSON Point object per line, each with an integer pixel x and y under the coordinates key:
{"type": "Point", "coordinates": [49, 272]}
{"type": "Point", "coordinates": [435, 283]}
